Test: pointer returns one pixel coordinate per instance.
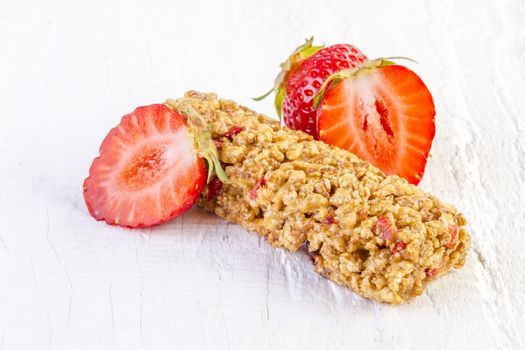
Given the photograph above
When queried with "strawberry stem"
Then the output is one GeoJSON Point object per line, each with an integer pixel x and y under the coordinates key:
{"type": "Point", "coordinates": [262, 97]}
{"type": "Point", "coordinates": [202, 141]}
{"type": "Point", "coordinates": [399, 58]}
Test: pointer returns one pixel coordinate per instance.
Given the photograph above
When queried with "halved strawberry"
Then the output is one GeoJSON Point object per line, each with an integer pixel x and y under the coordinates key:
{"type": "Point", "coordinates": [381, 112]}
{"type": "Point", "coordinates": [148, 170]}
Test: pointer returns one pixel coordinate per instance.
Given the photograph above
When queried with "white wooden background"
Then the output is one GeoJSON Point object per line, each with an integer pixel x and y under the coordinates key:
{"type": "Point", "coordinates": [70, 69]}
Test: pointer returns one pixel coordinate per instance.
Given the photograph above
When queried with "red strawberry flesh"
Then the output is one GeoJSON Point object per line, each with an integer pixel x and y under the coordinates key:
{"type": "Point", "coordinates": [431, 273]}
{"type": "Point", "coordinates": [234, 130]}
{"type": "Point", "coordinates": [261, 182]}
{"type": "Point", "coordinates": [398, 247]}
{"type": "Point", "coordinates": [453, 230]}
{"type": "Point", "coordinates": [213, 188]}
{"type": "Point", "coordinates": [385, 229]}
{"type": "Point", "coordinates": [329, 219]}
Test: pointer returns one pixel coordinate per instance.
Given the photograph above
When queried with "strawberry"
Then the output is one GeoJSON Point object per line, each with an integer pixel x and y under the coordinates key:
{"type": "Point", "coordinates": [150, 169]}
{"type": "Point", "coordinates": [398, 247]}
{"type": "Point", "coordinates": [453, 230]}
{"type": "Point", "coordinates": [234, 130]}
{"type": "Point", "coordinates": [260, 183]}
{"type": "Point", "coordinates": [383, 113]}
{"type": "Point", "coordinates": [329, 219]}
{"type": "Point", "coordinates": [385, 229]}
{"type": "Point", "coordinates": [301, 77]}
{"type": "Point", "coordinates": [213, 188]}
{"type": "Point", "coordinates": [431, 273]}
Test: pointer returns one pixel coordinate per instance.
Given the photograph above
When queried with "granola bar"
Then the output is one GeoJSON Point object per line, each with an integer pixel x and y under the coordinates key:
{"type": "Point", "coordinates": [377, 234]}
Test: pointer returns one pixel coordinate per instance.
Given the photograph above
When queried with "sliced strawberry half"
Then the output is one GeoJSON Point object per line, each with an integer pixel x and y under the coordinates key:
{"type": "Point", "coordinates": [148, 170]}
{"type": "Point", "coordinates": [381, 112]}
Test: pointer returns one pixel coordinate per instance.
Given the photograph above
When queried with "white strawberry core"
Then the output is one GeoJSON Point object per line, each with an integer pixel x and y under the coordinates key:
{"type": "Point", "coordinates": [148, 163]}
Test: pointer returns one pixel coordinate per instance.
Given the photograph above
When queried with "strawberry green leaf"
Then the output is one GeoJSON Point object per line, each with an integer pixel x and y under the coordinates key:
{"type": "Point", "coordinates": [279, 97]}
{"type": "Point", "coordinates": [299, 55]}
{"type": "Point", "coordinates": [202, 141]}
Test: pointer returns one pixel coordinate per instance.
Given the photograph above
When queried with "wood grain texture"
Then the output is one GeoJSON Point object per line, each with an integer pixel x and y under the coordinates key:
{"type": "Point", "coordinates": [70, 69]}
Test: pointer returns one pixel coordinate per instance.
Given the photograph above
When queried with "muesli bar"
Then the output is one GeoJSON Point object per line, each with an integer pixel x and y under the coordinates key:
{"type": "Point", "coordinates": [378, 235]}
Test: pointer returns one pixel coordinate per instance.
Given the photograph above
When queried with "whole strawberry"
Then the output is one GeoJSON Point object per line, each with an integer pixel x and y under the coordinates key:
{"type": "Point", "coordinates": [301, 77]}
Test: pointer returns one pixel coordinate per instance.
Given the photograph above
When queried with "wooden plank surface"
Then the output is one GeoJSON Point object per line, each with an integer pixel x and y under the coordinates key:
{"type": "Point", "coordinates": [70, 69]}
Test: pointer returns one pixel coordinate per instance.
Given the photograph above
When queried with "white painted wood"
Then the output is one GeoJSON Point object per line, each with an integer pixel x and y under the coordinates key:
{"type": "Point", "coordinates": [70, 69]}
